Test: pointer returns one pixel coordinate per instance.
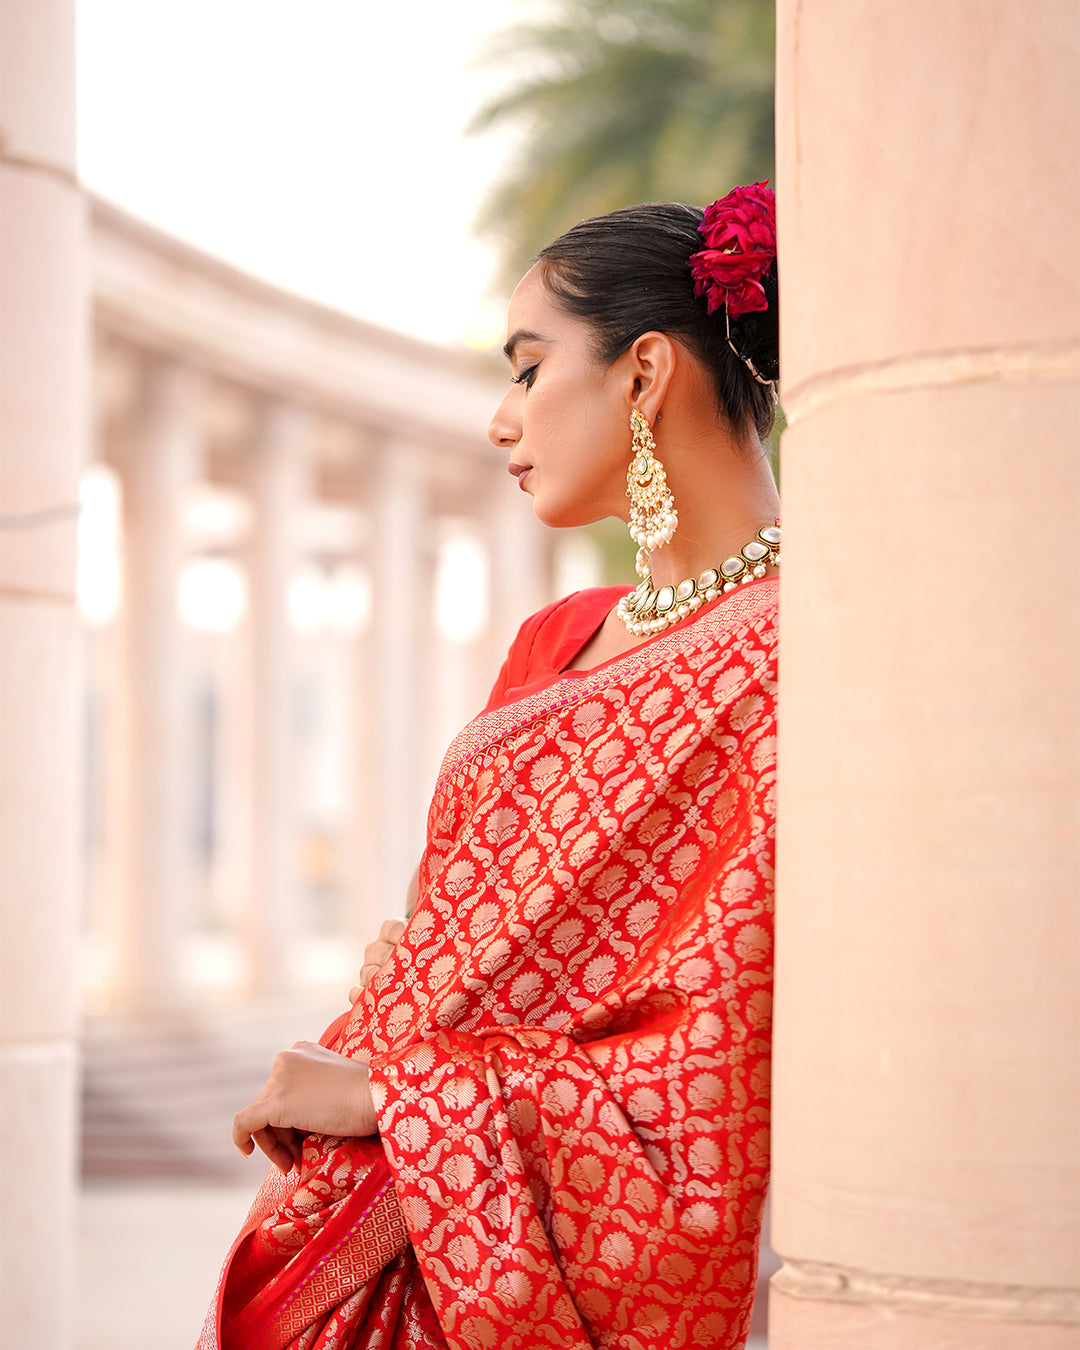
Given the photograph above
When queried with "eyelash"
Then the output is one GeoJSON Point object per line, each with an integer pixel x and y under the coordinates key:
{"type": "Point", "coordinates": [526, 377]}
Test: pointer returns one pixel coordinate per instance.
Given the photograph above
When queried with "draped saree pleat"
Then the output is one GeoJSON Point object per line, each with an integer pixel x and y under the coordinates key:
{"type": "Point", "coordinates": [569, 1048]}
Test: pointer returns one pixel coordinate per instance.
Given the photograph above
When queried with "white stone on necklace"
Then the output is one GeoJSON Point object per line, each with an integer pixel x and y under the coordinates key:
{"type": "Point", "coordinates": [645, 610]}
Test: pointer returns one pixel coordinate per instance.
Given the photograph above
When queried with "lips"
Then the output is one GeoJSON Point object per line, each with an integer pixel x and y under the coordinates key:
{"type": "Point", "coordinates": [520, 472]}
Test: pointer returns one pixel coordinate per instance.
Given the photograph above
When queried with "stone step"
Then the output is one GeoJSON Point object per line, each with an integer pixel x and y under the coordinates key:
{"type": "Point", "coordinates": [161, 1104]}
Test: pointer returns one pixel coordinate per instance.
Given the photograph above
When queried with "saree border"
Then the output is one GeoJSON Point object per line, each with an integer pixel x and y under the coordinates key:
{"type": "Point", "coordinates": [313, 1276]}
{"type": "Point", "coordinates": [727, 616]}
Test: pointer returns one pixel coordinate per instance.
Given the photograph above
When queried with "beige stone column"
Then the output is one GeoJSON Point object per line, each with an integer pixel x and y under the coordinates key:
{"type": "Point", "coordinates": [161, 463]}
{"type": "Point", "coordinates": [280, 487]}
{"type": "Point", "coordinates": [520, 564]}
{"type": "Point", "coordinates": [400, 638]}
{"type": "Point", "coordinates": [925, 1131]}
{"type": "Point", "coordinates": [363, 914]}
{"type": "Point", "coordinates": [233, 869]}
{"type": "Point", "coordinates": [42, 432]}
{"type": "Point", "coordinates": [457, 634]}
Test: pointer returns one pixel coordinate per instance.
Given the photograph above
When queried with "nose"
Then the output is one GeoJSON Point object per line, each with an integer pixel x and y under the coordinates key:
{"type": "Point", "coordinates": [504, 429]}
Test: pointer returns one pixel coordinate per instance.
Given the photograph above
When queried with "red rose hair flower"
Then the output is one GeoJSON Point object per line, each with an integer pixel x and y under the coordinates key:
{"type": "Point", "coordinates": [740, 235]}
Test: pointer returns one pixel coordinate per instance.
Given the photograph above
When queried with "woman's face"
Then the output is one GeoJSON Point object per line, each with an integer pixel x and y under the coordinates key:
{"type": "Point", "coordinates": [565, 422]}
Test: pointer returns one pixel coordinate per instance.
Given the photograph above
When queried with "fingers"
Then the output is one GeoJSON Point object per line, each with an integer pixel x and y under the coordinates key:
{"type": "Point", "coordinates": [294, 1142]}
{"type": "Point", "coordinates": [391, 931]}
{"type": "Point", "coordinates": [251, 1127]}
{"type": "Point", "coordinates": [244, 1122]}
{"type": "Point", "coordinates": [377, 953]}
{"type": "Point", "coordinates": [311, 1089]}
{"type": "Point", "coordinates": [279, 1153]}
{"type": "Point", "coordinates": [243, 1128]}
{"type": "Point", "coordinates": [282, 1145]}
{"type": "Point", "coordinates": [255, 1124]}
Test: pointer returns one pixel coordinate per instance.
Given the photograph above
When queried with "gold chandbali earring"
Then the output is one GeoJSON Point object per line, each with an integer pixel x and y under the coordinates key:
{"type": "Point", "coordinates": [653, 518]}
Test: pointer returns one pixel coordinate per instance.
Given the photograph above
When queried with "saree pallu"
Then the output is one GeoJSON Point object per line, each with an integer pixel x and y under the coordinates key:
{"type": "Point", "coordinates": [569, 1048]}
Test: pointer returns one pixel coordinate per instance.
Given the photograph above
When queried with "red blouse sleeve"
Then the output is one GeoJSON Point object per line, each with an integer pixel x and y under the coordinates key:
{"type": "Point", "coordinates": [515, 669]}
{"type": "Point", "coordinates": [550, 639]}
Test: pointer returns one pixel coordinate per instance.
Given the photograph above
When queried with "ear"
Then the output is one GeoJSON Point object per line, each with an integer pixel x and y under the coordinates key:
{"type": "Point", "coordinates": [652, 359]}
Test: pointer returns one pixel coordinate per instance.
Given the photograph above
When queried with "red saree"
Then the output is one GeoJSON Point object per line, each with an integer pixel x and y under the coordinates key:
{"type": "Point", "coordinates": [570, 1045]}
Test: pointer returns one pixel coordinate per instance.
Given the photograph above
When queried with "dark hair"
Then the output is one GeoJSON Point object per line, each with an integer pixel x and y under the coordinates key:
{"type": "Point", "coordinates": [628, 273]}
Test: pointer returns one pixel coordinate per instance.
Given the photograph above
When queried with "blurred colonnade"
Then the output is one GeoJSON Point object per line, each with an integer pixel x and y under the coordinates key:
{"type": "Point", "coordinates": [303, 563]}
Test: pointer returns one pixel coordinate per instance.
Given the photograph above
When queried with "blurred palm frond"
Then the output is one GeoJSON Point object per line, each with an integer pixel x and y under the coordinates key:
{"type": "Point", "coordinates": [620, 102]}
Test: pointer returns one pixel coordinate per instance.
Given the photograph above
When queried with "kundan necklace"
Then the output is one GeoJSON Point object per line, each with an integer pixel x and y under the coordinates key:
{"type": "Point", "coordinates": [646, 610]}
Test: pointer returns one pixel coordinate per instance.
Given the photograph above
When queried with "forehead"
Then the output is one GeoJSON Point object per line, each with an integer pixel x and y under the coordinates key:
{"type": "Point", "coordinates": [534, 311]}
{"type": "Point", "coordinates": [536, 322]}
{"type": "Point", "coordinates": [530, 304]}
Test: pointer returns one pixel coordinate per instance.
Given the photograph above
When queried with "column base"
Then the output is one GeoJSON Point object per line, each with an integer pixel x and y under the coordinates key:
{"type": "Point", "coordinates": [802, 1321]}
{"type": "Point", "coordinates": [39, 1140]}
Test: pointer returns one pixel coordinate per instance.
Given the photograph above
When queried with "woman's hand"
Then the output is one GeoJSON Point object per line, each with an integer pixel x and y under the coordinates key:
{"type": "Point", "coordinates": [310, 1090]}
{"type": "Point", "coordinates": [377, 953]}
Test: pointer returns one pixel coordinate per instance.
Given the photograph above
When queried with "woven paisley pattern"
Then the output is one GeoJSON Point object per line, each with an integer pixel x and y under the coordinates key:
{"type": "Point", "coordinates": [571, 1044]}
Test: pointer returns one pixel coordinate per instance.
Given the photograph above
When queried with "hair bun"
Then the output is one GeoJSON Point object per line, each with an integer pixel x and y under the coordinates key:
{"type": "Point", "coordinates": [736, 272]}
{"type": "Point", "coordinates": [755, 336]}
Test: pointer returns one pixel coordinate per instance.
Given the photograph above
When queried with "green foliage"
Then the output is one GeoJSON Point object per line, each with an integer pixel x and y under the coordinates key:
{"type": "Point", "coordinates": [624, 101]}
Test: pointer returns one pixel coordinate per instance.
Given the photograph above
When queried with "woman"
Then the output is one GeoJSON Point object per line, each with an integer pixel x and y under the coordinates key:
{"type": "Point", "coordinates": [544, 1121]}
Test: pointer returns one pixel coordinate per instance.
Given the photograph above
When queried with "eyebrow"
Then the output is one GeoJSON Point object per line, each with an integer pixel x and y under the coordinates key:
{"type": "Point", "coordinates": [522, 335]}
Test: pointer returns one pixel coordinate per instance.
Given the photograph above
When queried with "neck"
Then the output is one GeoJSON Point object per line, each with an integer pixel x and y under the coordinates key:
{"type": "Point", "coordinates": [722, 500]}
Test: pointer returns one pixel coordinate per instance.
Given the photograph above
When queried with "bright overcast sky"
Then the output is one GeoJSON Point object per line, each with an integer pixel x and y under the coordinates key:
{"type": "Point", "coordinates": [316, 143]}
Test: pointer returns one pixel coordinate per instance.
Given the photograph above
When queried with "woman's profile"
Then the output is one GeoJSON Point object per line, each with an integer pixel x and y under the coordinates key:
{"type": "Point", "coordinates": [544, 1120]}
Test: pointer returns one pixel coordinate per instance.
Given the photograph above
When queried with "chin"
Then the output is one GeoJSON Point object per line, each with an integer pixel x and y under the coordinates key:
{"type": "Point", "coordinates": [569, 515]}
{"type": "Point", "coordinates": [561, 518]}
